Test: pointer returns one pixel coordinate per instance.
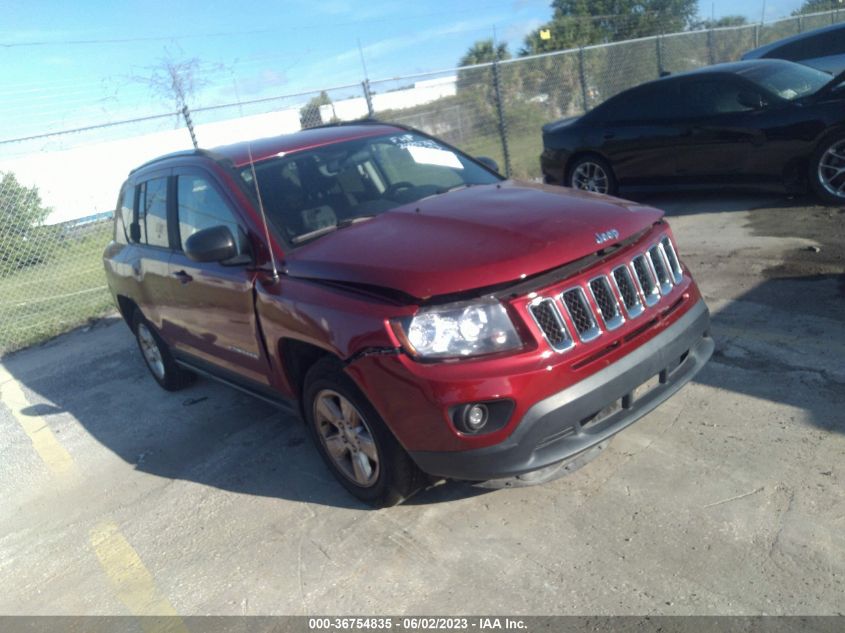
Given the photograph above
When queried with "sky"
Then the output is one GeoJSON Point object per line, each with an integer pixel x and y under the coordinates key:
{"type": "Point", "coordinates": [72, 64]}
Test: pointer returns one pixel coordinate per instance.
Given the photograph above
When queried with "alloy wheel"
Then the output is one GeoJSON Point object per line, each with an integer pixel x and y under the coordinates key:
{"type": "Point", "coordinates": [832, 169]}
{"type": "Point", "coordinates": [346, 437]}
{"type": "Point", "coordinates": [590, 176]}
{"type": "Point", "coordinates": [151, 351]}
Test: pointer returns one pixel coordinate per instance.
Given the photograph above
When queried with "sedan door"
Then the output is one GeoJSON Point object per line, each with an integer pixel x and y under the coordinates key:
{"type": "Point", "coordinates": [213, 303]}
{"type": "Point", "coordinates": [639, 134]}
{"type": "Point", "coordinates": [723, 130]}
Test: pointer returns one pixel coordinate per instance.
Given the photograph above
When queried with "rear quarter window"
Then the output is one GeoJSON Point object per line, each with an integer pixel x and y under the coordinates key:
{"type": "Point", "coordinates": [124, 214]}
{"type": "Point", "coordinates": [152, 213]}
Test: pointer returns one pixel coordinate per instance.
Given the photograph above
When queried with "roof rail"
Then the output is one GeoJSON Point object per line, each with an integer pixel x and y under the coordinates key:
{"type": "Point", "coordinates": [366, 121]}
{"type": "Point", "coordinates": [179, 154]}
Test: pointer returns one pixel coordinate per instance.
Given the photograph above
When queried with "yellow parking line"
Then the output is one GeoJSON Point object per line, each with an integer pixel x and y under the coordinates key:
{"type": "Point", "coordinates": [53, 454]}
{"type": "Point", "coordinates": [134, 585]}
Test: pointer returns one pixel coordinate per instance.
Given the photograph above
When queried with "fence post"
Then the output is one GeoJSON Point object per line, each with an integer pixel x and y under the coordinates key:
{"type": "Point", "coordinates": [800, 24]}
{"type": "Point", "coordinates": [368, 96]}
{"type": "Point", "coordinates": [711, 51]}
{"type": "Point", "coordinates": [582, 76]}
{"type": "Point", "coordinates": [756, 35]}
{"type": "Point", "coordinates": [659, 56]}
{"type": "Point", "coordinates": [500, 110]}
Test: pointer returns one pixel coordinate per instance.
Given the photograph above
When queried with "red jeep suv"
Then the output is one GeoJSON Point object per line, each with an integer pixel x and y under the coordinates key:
{"type": "Point", "coordinates": [431, 318]}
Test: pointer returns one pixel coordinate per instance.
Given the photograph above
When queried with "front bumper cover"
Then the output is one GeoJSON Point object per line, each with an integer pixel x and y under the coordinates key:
{"type": "Point", "coordinates": [577, 418]}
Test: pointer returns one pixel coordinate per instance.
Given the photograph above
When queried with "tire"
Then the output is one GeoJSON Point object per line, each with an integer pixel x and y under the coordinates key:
{"type": "Point", "coordinates": [157, 356]}
{"type": "Point", "coordinates": [354, 441]}
{"type": "Point", "coordinates": [826, 179]}
{"type": "Point", "coordinates": [592, 173]}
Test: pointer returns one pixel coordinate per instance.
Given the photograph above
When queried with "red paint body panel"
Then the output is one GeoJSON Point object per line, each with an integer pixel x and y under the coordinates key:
{"type": "Point", "coordinates": [472, 238]}
{"type": "Point", "coordinates": [420, 394]}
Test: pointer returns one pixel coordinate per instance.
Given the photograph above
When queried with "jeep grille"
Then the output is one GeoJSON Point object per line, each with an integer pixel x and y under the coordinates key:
{"type": "Point", "coordinates": [637, 284]}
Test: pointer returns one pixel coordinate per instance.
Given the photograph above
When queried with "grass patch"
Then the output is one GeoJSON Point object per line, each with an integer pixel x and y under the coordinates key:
{"type": "Point", "coordinates": [65, 291]}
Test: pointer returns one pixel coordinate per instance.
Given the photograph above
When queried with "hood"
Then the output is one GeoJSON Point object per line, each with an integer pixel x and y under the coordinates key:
{"type": "Point", "coordinates": [470, 238]}
{"type": "Point", "coordinates": [557, 126]}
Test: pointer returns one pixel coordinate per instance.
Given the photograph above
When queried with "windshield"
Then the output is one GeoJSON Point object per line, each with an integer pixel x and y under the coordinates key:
{"type": "Point", "coordinates": [788, 81]}
{"type": "Point", "coordinates": [312, 192]}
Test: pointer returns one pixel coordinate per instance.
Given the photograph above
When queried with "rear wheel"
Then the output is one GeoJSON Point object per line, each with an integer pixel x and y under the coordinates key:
{"type": "Point", "coordinates": [592, 173]}
{"type": "Point", "coordinates": [157, 356]}
{"type": "Point", "coordinates": [354, 441]}
{"type": "Point", "coordinates": [827, 170]}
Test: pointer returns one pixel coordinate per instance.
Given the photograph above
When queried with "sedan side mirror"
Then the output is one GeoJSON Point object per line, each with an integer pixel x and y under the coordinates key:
{"type": "Point", "coordinates": [752, 100]}
{"type": "Point", "coordinates": [488, 162]}
{"type": "Point", "coordinates": [215, 244]}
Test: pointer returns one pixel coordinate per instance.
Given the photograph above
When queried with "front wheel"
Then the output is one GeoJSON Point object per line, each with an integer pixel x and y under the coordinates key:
{"type": "Point", "coordinates": [353, 440]}
{"type": "Point", "coordinates": [592, 173]}
{"type": "Point", "coordinates": [827, 170]}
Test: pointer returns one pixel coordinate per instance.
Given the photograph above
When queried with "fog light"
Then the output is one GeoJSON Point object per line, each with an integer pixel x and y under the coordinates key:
{"type": "Point", "coordinates": [475, 417]}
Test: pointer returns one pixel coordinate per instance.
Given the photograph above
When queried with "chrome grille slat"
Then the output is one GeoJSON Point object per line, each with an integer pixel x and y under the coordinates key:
{"type": "Point", "coordinates": [628, 291]}
{"type": "Point", "coordinates": [672, 259]}
{"type": "Point", "coordinates": [580, 313]}
{"type": "Point", "coordinates": [548, 319]}
{"type": "Point", "coordinates": [606, 301]}
{"type": "Point", "coordinates": [644, 277]}
{"type": "Point", "coordinates": [660, 268]}
{"type": "Point", "coordinates": [595, 306]}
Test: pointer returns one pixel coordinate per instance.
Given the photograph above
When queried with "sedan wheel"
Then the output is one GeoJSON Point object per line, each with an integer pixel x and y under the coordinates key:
{"type": "Point", "coordinates": [591, 173]}
{"type": "Point", "coordinates": [831, 171]}
{"type": "Point", "coordinates": [347, 438]}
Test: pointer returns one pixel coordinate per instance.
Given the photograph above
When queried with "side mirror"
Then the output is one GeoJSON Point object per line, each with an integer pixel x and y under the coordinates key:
{"type": "Point", "coordinates": [135, 232]}
{"type": "Point", "coordinates": [488, 162]}
{"type": "Point", "coordinates": [753, 100]}
{"type": "Point", "coordinates": [214, 244]}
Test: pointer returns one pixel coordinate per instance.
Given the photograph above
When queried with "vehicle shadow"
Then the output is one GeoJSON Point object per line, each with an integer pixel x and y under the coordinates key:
{"type": "Point", "coordinates": [208, 433]}
{"type": "Point", "coordinates": [693, 202]}
{"type": "Point", "coordinates": [783, 341]}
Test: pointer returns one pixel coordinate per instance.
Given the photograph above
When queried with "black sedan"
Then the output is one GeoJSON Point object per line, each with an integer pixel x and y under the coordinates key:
{"type": "Point", "coordinates": [822, 48]}
{"type": "Point", "coordinates": [762, 123]}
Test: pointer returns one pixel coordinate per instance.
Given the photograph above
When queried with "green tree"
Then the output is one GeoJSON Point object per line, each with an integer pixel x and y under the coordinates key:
{"type": "Point", "coordinates": [21, 213]}
{"type": "Point", "coordinates": [310, 115]}
{"type": "Point", "coordinates": [817, 6]}
{"type": "Point", "coordinates": [583, 22]}
{"type": "Point", "coordinates": [484, 51]}
{"type": "Point", "coordinates": [726, 20]}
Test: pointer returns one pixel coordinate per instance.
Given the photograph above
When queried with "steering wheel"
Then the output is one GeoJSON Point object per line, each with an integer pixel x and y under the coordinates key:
{"type": "Point", "coordinates": [396, 187]}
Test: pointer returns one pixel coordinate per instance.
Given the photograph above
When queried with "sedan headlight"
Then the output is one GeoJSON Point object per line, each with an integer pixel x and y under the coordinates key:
{"type": "Point", "coordinates": [459, 329]}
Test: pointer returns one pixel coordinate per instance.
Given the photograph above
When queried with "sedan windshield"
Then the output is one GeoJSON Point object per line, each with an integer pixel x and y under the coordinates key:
{"type": "Point", "coordinates": [312, 192]}
{"type": "Point", "coordinates": [786, 80]}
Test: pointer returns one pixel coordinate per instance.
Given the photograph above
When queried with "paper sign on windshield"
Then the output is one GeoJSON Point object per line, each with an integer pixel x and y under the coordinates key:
{"type": "Point", "coordinates": [432, 156]}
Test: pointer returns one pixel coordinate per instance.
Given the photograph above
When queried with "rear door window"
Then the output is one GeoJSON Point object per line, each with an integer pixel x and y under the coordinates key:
{"type": "Point", "coordinates": [152, 213]}
{"type": "Point", "coordinates": [711, 97]}
{"type": "Point", "coordinates": [124, 215]}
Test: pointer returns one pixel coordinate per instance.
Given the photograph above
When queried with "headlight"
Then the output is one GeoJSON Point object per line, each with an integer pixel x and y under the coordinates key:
{"type": "Point", "coordinates": [460, 329]}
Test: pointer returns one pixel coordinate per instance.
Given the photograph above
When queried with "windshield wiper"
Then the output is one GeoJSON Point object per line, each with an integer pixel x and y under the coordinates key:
{"type": "Point", "coordinates": [329, 229]}
{"type": "Point", "coordinates": [463, 185]}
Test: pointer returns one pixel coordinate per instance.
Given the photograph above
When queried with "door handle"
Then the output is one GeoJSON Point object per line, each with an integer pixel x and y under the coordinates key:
{"type": "Point", "coordinates": [183, 277]}
{"type": "Point", "coordinates": [609, 135]}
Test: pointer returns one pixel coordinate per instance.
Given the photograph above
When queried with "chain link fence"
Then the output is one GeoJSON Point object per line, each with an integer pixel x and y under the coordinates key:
{"type": "Point", "coordinates": [57, 189]}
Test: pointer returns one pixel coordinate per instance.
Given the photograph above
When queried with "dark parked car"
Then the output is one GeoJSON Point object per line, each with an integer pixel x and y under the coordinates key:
{"type": "Point", "coordinates": [427, 315]}
{"type": "Point", "coordinates": [765, 123]}
{"type": "Point", "coordinates": [823, 49]}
